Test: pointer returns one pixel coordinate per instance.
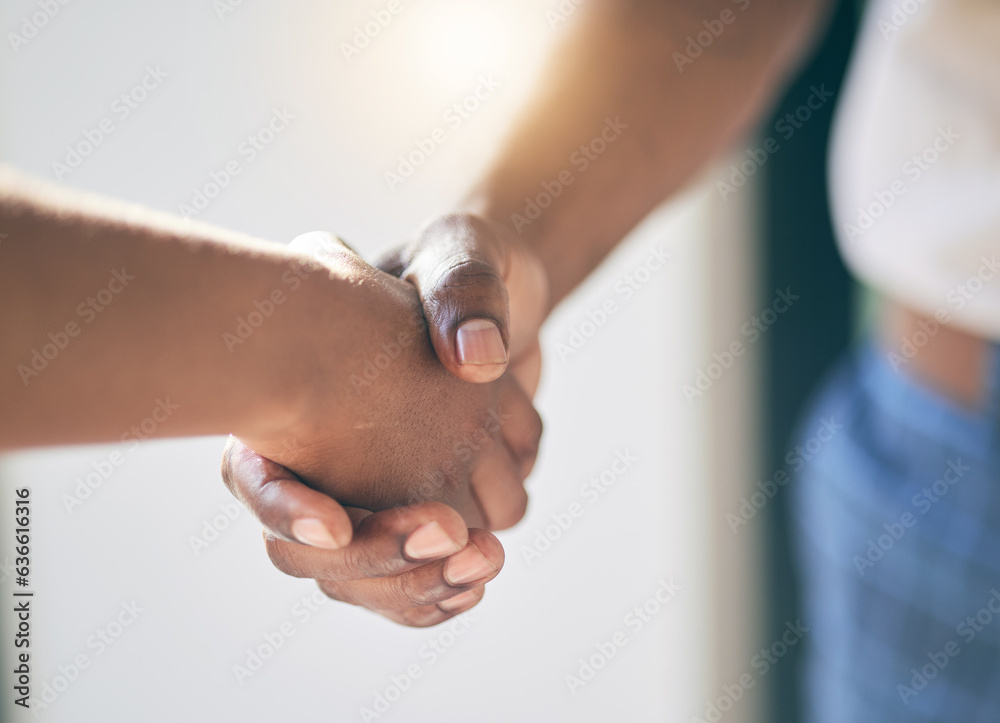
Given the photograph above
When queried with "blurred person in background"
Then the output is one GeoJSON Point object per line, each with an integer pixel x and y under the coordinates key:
{"type": "Point", "coordinates": [897, 520]}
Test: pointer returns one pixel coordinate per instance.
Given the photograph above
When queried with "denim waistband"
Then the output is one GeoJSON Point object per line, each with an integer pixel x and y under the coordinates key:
{"type": "Point", "coordinates": [898, 393]}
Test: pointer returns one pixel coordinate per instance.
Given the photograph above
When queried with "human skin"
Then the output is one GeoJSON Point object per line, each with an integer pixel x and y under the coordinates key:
{"type": "Point", "coordinates": [108, 309]}
{"type": "Point", "coordinates": [617, 63]}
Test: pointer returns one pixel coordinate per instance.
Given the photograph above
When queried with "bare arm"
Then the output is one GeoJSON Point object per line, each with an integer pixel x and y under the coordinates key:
{"type": "Point", "coordinates": [628, 80]}
{"type": "Point", "coordinates": [106, 308]}
{"type": "Point", "coordinates": [628, 110]}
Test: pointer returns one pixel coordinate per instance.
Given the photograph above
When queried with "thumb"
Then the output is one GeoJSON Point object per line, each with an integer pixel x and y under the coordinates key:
{"type": "Point", "coordinates": [282, 502]}
{"type": "Point", "coordinates": [456, 265]}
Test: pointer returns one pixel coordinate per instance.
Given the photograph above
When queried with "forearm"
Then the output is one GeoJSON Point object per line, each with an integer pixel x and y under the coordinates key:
{"type": "Point", "coordinates": [107, 310]}
{"type": "Point", "coordinates": [621, 121]}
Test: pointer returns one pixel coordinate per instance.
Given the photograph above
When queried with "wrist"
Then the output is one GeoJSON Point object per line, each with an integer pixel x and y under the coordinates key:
{"type": "Point", "coordinates": [305, 325]}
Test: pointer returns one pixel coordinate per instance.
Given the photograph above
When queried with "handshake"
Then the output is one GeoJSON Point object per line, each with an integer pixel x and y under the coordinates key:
{"type": "Point", "coordinates": [380, 418]}
{"type": "Point", "coordinates": [412, 430]}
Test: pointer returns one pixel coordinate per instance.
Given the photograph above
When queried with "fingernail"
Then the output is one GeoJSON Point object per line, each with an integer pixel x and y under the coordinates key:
{"type": "Point", "coordinates": [310, 531]}
{"type": "Point", "coordinates": [429, 540]}
{"type": "Point", "coordinates": [468, 565]}
{"type": "Point", "coordinates": [459, 601]}
{"type": "Point", "coordinates": [479, 342]}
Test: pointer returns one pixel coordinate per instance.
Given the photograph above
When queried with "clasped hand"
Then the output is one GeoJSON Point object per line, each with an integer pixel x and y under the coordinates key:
{"type": "Point", "coordinates": [383, 486]}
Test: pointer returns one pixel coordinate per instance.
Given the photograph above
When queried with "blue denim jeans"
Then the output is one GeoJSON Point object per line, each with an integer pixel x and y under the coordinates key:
{"type": "Point", "coordinates": [897, 535]}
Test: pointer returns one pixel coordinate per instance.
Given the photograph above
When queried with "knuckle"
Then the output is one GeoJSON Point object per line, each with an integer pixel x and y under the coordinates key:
{"type": "Point", "coordinates": [411, 593]}
{"type": "Point", "coordinates": [350, 565]}
{"type": "Point", "coordinates": [533, 432]}
{"type": "Point", "coordinates": [464, 272]}
{"type": "Point", "coordinates": [394, 521]}
{"type": "Point", "coordinates": [359, 562]}
{"type": "Point", "coordinates": [526, 437]}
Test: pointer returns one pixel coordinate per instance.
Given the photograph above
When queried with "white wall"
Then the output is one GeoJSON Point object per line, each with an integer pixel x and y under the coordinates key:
{"type": "Point", "coordinates": [131, 541]}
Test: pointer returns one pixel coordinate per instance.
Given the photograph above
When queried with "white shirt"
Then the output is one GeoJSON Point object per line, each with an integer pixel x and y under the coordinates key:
{"type": "Point", "coordinates": [915, 159]}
